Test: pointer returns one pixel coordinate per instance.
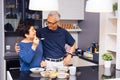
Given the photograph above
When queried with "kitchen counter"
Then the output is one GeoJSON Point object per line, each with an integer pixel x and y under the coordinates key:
{"type": "Point", "coordinates": [83, 73]}
{"type": "Point", "coordinates": [93, 59]}
{"type": "Point", "coordinates": [11, 56]}
{"type": "Point", "coordinates": [14, 56]}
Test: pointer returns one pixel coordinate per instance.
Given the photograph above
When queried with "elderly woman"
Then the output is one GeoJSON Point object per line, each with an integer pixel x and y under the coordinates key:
{"type": "Point", "coordinates": [31, 51]}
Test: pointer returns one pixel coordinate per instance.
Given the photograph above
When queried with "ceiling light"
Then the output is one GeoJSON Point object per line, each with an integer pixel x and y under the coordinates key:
{"type": "Point", "coordinates": [43, 5]}
{"type": "Point", "coordinates": [99, 6]}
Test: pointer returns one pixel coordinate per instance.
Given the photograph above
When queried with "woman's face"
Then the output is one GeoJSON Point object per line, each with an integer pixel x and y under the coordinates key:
{"type": "Point", "coordinates": [32, 32]}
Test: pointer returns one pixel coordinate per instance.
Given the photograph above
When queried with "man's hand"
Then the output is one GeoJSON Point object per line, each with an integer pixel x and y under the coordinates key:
{"type": "Point", "coordinates": [17, 48]}
{"type": "Point", "coordinates": [67, 60]}
{"type": "Point", "coordinates": [43, 64]}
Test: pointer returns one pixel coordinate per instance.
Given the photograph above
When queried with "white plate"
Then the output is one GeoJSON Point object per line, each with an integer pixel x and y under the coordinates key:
{"type": "Point", "coordinates": [37, 70]}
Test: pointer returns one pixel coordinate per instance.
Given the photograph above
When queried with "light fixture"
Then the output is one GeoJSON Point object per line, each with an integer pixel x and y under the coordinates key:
{"type": "Point", "coordinates": [43, 5]}
{"type": "Point", "coordinates": [99, 6]}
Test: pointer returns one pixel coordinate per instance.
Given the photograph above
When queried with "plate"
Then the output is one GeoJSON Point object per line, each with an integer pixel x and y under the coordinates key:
{"type": "Point", "coordinates": [34, 75]}
{"type": "Point", "coordinates": [37, 70]}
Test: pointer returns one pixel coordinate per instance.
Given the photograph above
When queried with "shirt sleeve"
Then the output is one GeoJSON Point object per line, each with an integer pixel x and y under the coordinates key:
{"type": "Point", "coordinates": [38, 32]}
{"type": "Point", "coordinates": [26, 55]}
{"type": "Point", "coordinates": [69, 39]}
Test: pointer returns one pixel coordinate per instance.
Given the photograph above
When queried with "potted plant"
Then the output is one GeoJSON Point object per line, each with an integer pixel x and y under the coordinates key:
{"type": "Point", "coordinates": [107, 57]}
{"type": "Point", "coordinates": [115, 8]}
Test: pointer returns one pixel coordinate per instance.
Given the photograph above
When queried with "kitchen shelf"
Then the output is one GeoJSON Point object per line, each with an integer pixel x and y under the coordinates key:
{"type": "Point", "coordinates": [11, 34]}
{"type": "Point", "coordinates": [74, 30]}
{"type": "Point", "coordinates": [112, 34]}
{"type": "Point", "coordinates": [11, 18]}
{"type": "Point", "coordinates": [109, 34]}
{"type": "Point", "coordinates": [113, 17]}
{"type": "Point", "coordinates": [114, 51]}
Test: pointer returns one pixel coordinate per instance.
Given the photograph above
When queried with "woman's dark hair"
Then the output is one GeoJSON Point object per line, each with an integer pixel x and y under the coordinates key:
{"type": "Point", "coordinates": [23, 27]}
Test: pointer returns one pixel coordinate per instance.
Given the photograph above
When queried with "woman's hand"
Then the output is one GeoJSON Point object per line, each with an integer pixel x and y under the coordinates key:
{"type": "Point", "coordinates": [35, 43]}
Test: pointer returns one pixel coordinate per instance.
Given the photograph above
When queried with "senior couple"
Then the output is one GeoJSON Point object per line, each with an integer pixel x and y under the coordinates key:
{"type": "Point", "coordinates": [44, 47]}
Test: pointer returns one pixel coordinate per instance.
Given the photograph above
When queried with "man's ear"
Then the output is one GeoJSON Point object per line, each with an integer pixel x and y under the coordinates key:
{"type": "Point", "coordinates": [58, 23]}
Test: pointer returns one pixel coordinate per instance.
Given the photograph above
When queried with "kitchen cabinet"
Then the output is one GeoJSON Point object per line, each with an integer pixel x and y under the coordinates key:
{"type": "Point", "coordinates": [11, 15]}
{"type": "Point", "coordinates": [70, 10]}
{"type": "Point", "coordinates": [109, 35]}
{"type": "Point", "coordinates": [16, 11]}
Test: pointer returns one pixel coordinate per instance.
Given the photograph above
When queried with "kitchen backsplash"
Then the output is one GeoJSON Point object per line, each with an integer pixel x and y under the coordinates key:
{"type": "Point", "coordinates": [10, 42]}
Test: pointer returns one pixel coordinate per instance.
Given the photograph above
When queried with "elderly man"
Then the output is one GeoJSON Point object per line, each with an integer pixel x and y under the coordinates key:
{"type": "Point", "coordinates": [54, 42]}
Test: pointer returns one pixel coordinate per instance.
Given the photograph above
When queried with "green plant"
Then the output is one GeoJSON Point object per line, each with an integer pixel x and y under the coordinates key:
{"type": "Point", "coordinates": [115, 6]}
{"type": "Point", "coordinates": [107, 56]}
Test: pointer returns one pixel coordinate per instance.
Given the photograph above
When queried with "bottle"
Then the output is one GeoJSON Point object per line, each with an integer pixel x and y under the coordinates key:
{"type": "Point", "coordinates": [97, 47]}
{"type": "Point", "coordinates": [88, 50]}
{"type": "Point", "coordinates": [93, 47]}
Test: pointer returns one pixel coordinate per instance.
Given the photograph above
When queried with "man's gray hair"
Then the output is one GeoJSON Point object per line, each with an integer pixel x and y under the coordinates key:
{"type": "Point", "coordinates": [54, 13]}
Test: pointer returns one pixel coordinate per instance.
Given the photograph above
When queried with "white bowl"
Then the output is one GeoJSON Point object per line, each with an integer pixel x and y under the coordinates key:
{"type": "Point", "coordinates": [61, 75]}
{"type": "Point", "coordinates": [44, 73]}
{"type": "Point", "coordinates": [37, 70]}
{"type": "Point", "coordinates": [62, 69]}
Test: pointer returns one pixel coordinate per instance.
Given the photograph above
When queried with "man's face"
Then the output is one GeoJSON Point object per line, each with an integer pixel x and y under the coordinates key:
{"type": "Point", "coordinates": [52, 22]}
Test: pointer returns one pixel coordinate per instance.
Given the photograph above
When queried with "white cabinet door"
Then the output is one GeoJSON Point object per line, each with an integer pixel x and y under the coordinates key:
{"type": "Point", "coordinates": [69, 9]}
{"type": "Point", "coordinates": [9, 77]}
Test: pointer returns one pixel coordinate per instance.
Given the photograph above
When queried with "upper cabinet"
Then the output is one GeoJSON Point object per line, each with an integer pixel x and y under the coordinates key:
{"type": "Point", "coordinates": [69, 10]}
{"type": "Point", "coordinates": [16, 11]}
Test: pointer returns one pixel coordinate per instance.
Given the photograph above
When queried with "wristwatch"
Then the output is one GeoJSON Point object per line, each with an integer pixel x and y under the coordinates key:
{"type": "Point", "coordinates": [70, 54]}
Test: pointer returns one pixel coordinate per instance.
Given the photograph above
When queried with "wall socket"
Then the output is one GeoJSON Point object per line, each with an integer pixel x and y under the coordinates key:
{"type": "Point", "coordinates": [8, 47]}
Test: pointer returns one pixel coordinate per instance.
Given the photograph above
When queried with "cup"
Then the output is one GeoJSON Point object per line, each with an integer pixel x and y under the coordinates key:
{"type": "Point", "coordinates": [72, 70]}
{"type": "Point", "coordinates": [72, 77]}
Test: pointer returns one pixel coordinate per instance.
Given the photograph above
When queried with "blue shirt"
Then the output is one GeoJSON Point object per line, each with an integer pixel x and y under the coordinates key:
{"type": "Point", "coordinates": [28, 57]}
{"type": "Point", "coordinates": [54, 41]}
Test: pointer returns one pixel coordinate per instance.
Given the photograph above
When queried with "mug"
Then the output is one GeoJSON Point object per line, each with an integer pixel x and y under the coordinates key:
{"type": "Point", "coordinates": [72, 70]}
